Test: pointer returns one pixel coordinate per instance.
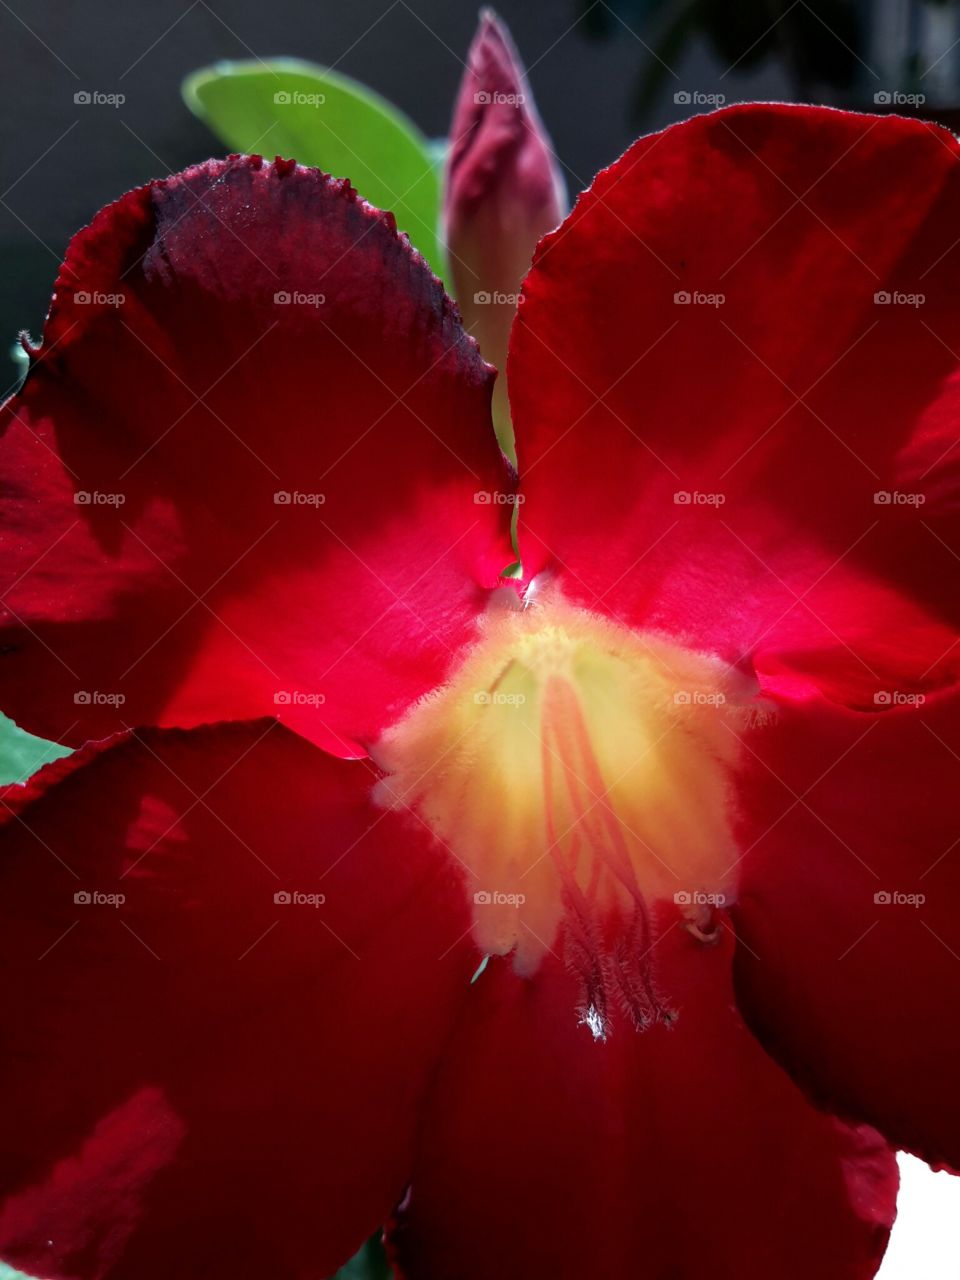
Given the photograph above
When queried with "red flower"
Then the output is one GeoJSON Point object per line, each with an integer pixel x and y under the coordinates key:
{"type": "Point", "coordinates": [701, 780]}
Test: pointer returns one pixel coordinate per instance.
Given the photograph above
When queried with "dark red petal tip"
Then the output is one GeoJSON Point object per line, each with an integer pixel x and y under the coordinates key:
{"type": "Point", "coordinates": [243, 470]}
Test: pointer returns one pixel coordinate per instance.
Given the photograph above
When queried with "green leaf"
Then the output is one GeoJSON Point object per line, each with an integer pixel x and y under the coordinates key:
{"type": "Point", "coordinates": [369, 1264]}
{"type": "Point", "coordinates": [319, 117]}
{"type": "Point", "coordinates": [21, 754]}
{"type": "Point", "coordinates": [8, 1273]}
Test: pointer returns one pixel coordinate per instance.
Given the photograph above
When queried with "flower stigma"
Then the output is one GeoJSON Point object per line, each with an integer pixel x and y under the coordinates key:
{"type": "Point", "coordinates": [580, 773]}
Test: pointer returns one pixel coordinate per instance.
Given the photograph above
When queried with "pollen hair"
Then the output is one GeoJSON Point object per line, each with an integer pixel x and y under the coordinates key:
{"type": "Point", "coordinates": [579, 773]}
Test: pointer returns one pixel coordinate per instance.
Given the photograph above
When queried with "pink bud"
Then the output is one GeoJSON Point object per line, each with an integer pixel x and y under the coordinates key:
{"type": "Point", "coordinates": [503, 192]}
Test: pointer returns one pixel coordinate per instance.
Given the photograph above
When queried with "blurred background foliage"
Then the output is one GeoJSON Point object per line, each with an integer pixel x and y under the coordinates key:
{"type": "Point", "coordinates": [817, 42]}
{"type": "Point", "coordinates": [829, 50]}
{"type": "Point", "coordinates": [601, 70]}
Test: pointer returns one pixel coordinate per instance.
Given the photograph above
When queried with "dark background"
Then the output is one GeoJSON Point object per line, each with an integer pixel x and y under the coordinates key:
{"type": "Point", "coordinates": [60, 162]}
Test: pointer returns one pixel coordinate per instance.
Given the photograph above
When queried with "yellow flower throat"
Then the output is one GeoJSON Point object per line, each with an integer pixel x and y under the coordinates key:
{"type": "Point", "coordinates": [579, 772]}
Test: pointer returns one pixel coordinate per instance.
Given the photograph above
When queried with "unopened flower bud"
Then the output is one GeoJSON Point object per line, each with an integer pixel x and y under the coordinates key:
{"type": "Point", "coordinates": [503, 192]}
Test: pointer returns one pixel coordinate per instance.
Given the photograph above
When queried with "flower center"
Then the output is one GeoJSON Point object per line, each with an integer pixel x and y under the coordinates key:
{"type": "Point", "coordinates": [579, 772]}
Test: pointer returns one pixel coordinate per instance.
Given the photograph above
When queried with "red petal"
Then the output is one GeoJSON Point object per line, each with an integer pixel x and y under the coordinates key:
{"type": "Point", "coordinates": [197, 399]}
{"type": "Point", "coordinates": [856, 996]}
{"type": "Point", "coordinates": [677, 1152]}
{"type": "Point", "coordinates": [201, 1081]}
{"type": "Point", "coordinates": [778, 413]}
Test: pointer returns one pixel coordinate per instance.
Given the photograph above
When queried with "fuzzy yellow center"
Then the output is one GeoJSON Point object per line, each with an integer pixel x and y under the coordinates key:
{"type": "Point", "coordinates": [579, 773]}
